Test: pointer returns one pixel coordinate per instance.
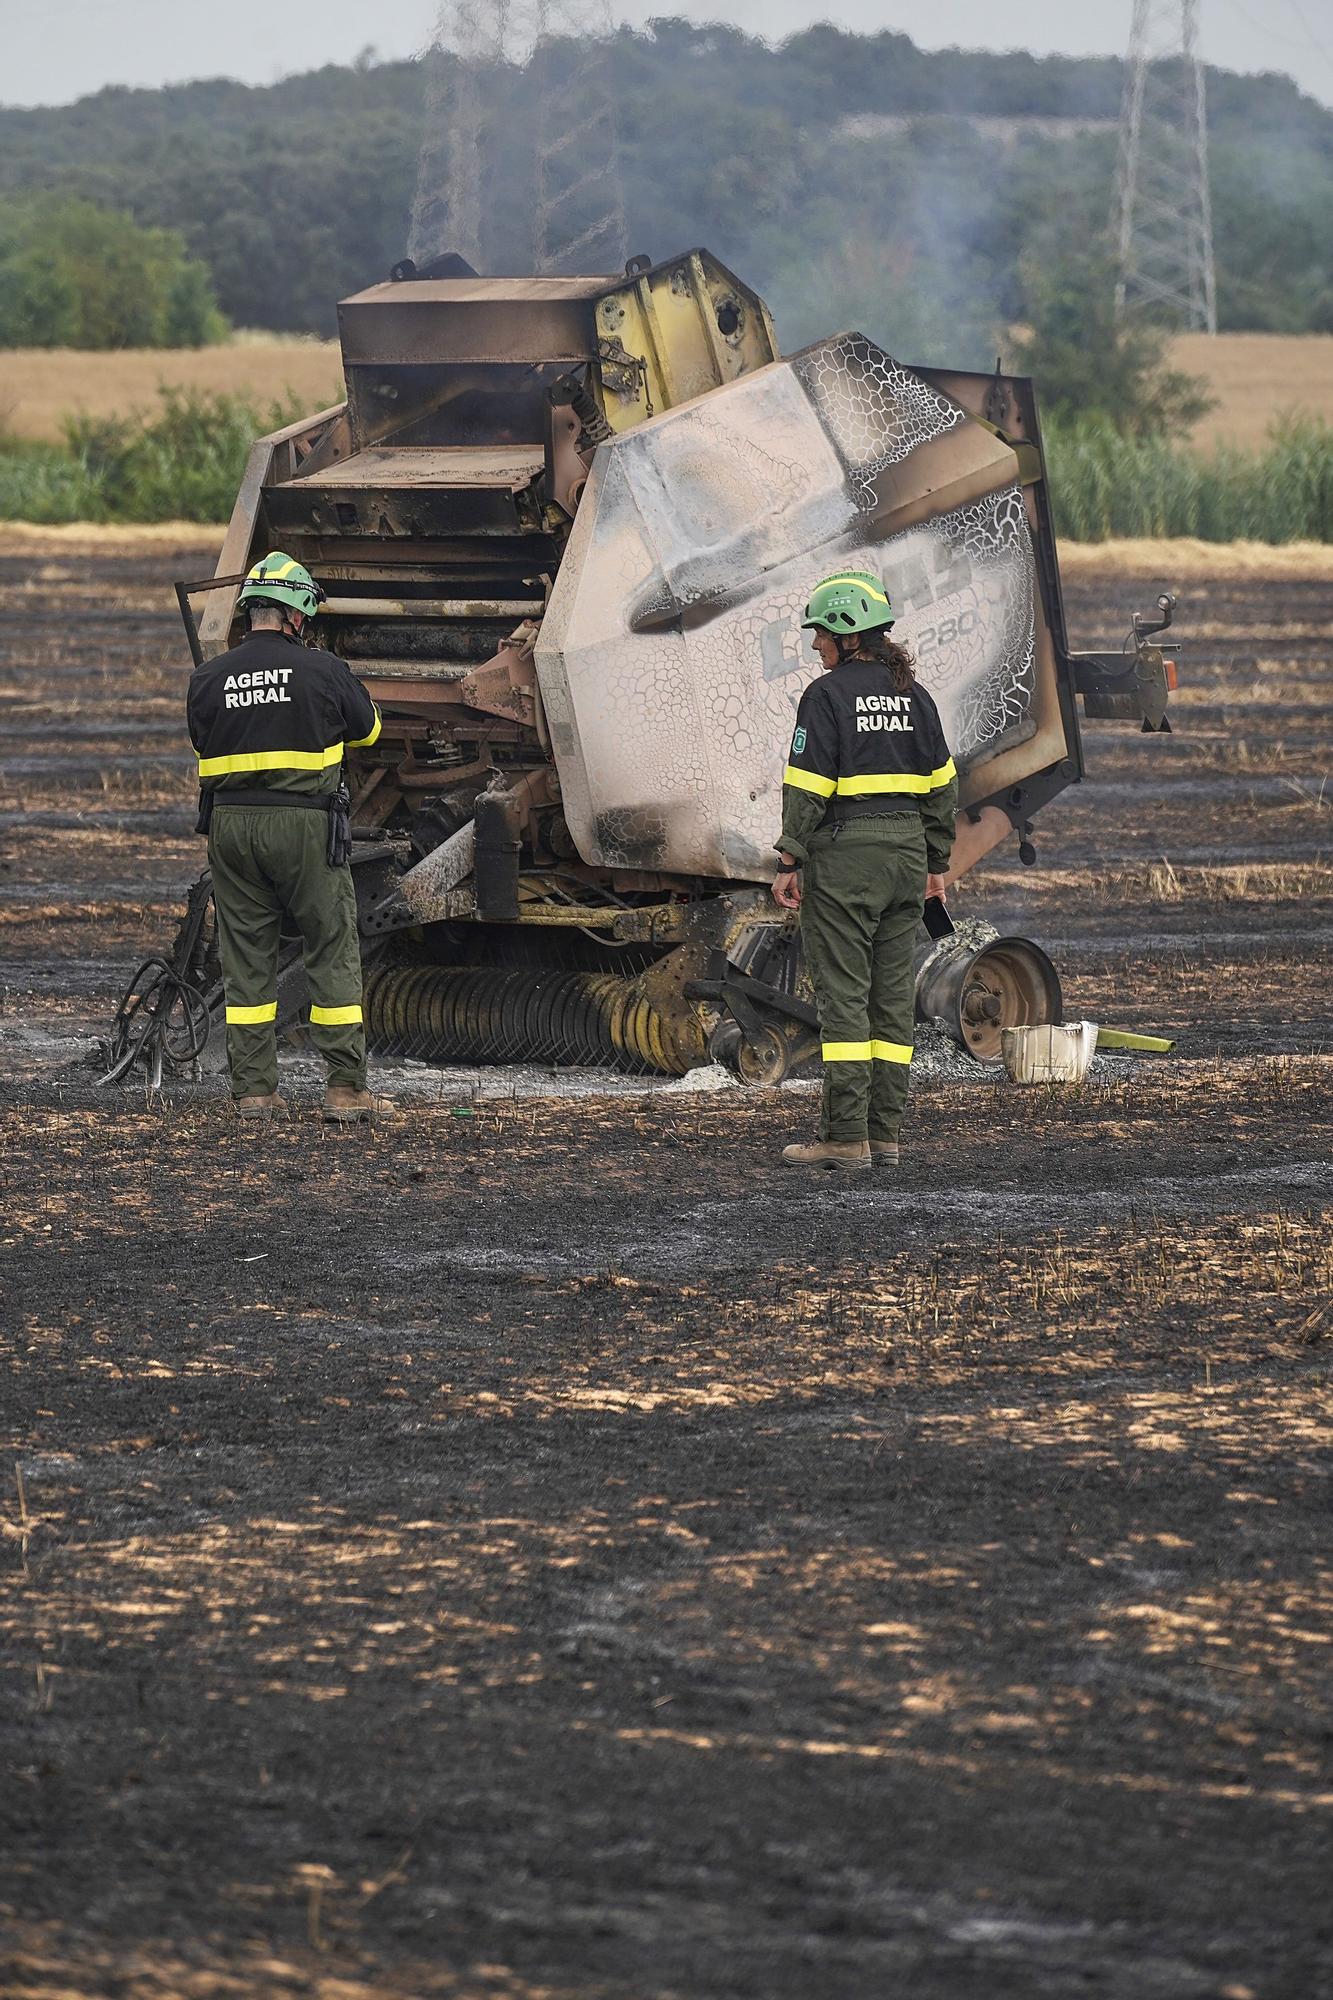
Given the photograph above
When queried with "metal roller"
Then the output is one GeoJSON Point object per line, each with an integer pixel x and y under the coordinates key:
{"type": "Point", "coordinates": [464, 1014]}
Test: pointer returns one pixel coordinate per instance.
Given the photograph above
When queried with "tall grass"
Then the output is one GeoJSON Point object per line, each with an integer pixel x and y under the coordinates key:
{"type": "Point", "coordinates": [1104, 485]}
{"type": "Point", "coordinates": [184, 463]}
{"type": "Point", "coordinates": [181, 463]}
{"type": "Point", "coordinates": [39, 482]}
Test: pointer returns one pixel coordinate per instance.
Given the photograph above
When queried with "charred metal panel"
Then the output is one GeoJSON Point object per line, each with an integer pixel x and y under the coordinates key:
{"type": "Point", "coordinates": [670, 660]}
{"type": "Point", "coordinates": [391, 512]}
{"type": "Point", "coordinates": [449, 320]}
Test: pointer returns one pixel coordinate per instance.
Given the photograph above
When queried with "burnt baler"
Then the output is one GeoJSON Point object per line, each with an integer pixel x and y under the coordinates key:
{"type": "Point", "coordinates": [566, 527]}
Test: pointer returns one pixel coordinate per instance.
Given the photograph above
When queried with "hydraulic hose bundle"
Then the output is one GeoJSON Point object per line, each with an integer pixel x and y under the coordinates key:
{"type": "Point", "coordinates": [161, 1022]}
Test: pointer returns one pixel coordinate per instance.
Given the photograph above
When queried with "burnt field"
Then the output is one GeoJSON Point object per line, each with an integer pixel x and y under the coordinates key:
{"type": "Point", "coordinates": [539, 1548]}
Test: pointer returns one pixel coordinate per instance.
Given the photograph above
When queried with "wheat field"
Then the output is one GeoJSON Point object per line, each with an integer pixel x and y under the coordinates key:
{"type": "Point", "coordinates": [41, 385]}
{"type": "Point", "coordinates": [1255, 376]}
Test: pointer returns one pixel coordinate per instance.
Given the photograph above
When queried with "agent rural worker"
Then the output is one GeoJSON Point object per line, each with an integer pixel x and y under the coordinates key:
{"type": "Point", "coordinates": [270, 720]}
{"type": "Point", "coordinates": [868, 805]}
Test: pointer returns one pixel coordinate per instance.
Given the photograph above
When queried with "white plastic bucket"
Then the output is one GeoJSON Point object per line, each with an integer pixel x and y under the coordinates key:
{"type": "Point", "coordinates": [1049, 1053]}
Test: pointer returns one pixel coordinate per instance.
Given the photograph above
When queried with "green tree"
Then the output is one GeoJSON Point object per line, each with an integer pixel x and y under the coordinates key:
{"type": "Point", "coordinates": [1086, 363]}
{"type": "Point", "coordinates": [39, 300]}
{"type": "Point", "coordinates": [73, 274]}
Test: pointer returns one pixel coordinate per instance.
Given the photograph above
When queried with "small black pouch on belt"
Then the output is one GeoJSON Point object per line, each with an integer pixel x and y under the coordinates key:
{"type": "Point", "coordinates": [340, 827]}
{"type": "Point", "coordinates": [205, 819]}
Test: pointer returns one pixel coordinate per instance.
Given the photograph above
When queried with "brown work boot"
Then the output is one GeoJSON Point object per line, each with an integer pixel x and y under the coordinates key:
{"type": "Point", "coordinates": [345, 1106]}
{"type": "Point", "coordinates": [268, 1106]}
{"type": "Point", "coordinates": [884, 1152]}
{"type": "Point", "coordinates": [847, 1156]}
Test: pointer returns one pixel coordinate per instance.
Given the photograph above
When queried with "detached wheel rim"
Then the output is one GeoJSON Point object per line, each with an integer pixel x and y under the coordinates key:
{"type": "Point", "coordinates": [1009, 984]}
{"type": "Point", "coordinates": [975, 991]}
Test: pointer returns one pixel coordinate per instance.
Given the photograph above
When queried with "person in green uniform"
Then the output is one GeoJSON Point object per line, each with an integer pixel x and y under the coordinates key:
{"type": "Point", "coordinates": [868, 803]}
{"type": "Point", "coordinates": [270, 721]}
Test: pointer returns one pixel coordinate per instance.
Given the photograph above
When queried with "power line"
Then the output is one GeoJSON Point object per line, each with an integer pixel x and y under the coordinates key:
{"type": "Point", "coordinates": [1320, 48]}
{"type": "Point", "coordinates": [1272, 34]}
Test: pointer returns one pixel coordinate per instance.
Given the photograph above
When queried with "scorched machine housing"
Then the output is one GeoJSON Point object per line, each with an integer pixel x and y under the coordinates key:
{"type": "Point", "coordinates": [566, 527]}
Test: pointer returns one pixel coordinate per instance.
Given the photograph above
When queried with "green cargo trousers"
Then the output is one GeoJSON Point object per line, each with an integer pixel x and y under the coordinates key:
{"type": "Point", "coordinates": [861, 902]}
{"type": "Point", "coordinates": [268, 861]}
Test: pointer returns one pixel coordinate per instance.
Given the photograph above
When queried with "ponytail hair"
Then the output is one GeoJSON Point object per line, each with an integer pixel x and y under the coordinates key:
{"type": "Point", "coordinates": [879, 646]}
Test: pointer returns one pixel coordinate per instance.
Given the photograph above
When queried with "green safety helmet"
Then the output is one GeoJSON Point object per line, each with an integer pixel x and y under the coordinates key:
{"type": "Point", "coordinates": [855, 601]}
{"type": "Point", "coordinates": [278, 579]}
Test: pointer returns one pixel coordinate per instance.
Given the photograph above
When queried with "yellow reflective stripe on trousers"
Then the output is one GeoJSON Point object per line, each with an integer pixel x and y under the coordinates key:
{"type": "Point", "coordinates": [334, 1017]}
{"type": "Point", "coordinates": [872, 1051]}
{"type": "Point", "coordinates": [271, 760]}
{"type": "Point", "coordinates": [252, 1017]}
{"type": "Point", "coordinates": [874, 782]}
{"type": "Point", "coordinates": [808, 781]}
{"type": "Point", "coordinates": [364, 742]}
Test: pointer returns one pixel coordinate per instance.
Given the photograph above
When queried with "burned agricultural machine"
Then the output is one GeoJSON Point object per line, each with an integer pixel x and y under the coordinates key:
{"type": "Point", "coordinates": [566, 527]}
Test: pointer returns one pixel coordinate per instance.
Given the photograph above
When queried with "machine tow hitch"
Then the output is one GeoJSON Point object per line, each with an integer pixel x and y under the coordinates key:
{"type": "Point", "coordinates": [1131, 685]}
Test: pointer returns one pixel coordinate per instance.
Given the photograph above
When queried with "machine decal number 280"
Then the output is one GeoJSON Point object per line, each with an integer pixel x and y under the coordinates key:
{"type": "Point", "coordinates": [946, 632]}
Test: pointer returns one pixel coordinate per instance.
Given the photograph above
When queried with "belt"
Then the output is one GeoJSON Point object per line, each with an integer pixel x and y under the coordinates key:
{"type": "Point", "coordinates": [335, 806]}
{"type": "Point", "coordinates": [841, 810]}
{"type": "Point", "coordinates": [320, 802]}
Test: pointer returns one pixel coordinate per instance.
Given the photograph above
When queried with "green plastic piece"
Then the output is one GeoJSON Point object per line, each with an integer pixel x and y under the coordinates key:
{"type": "Point", "coordinates": [1120, 1038]}
{"type": "Point", "coordinates": [854, 601]}
{"type": "Point", "coordinates": [280, 579]}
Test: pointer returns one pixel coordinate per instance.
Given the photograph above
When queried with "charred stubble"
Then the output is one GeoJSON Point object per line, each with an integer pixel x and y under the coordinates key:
{"type": "Point", "coordinates": [552, 1551]}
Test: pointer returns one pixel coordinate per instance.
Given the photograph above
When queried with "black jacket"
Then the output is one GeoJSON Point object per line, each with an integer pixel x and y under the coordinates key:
{"type": "Point", "coordinates": [858, 738]}
{"type": "Point", "coordinates": [273, 714]}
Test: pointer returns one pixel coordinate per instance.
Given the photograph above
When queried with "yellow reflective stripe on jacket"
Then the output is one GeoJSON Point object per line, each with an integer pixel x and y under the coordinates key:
{"type": "Point", "coordinates": [252, 1017]}
{"type": "Point", "coordinates": [271, 760]}
{"type": "Point", "coordinates": [334, 1017]}
{"type": "Point", "coordinates": [874, 782]}
{"type": "Point", "coordinates": [899, 1052]}
{"type": "Point", "coordinates": [364, 742]}
{"type": "Point", "coordinates": [806, 781]}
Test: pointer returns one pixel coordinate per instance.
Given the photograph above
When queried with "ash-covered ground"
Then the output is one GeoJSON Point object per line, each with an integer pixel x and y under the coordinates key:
{"type": "Point", "coordinates": [542, 1548]}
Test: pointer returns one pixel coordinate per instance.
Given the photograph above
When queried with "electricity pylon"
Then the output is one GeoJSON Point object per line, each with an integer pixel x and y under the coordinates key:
{"type": "Point", "coordinates": [577, 198]}
{"type": "Point", "coordinates": [1162, 210]}
{"type": "Point", "coordinates": [579, 223]}
{"type": "Point", "coordinates": [469, 40]}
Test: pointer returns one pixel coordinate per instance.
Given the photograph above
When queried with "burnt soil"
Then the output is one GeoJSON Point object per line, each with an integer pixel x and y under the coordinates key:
{"type": "Point", "coordinates": [541, 1548]}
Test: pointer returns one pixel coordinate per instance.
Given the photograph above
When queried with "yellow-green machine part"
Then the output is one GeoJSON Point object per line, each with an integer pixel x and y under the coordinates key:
{"type": "Point", "coordinates": [566, 527]}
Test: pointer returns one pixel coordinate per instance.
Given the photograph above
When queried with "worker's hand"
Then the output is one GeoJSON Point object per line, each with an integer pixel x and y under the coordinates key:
{"type": "Point", "coordinates": [787, 889]}
{"type": "Point", "coordinates": [935, 886]}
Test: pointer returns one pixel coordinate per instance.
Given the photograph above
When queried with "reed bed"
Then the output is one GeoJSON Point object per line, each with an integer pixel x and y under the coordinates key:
{"type": "Point", "coordinates": [1105, 486]}
{"type": "Point", "coordinates": [183, 462]}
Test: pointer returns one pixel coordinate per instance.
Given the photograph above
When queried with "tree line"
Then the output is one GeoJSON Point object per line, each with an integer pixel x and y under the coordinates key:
{"type": "Point", "coordinates": [840, 174]}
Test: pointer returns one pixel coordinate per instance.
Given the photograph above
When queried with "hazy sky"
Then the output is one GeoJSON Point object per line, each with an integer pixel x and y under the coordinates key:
{"type": "Point", "coordinates": [53, 52]}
